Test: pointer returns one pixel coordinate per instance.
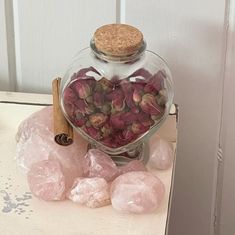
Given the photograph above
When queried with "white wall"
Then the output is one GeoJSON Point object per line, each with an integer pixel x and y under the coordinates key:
{"type": "Point", "coordinates": [190, 35]}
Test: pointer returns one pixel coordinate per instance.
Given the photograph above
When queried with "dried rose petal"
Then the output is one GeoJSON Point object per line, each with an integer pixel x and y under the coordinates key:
{"type": "Point", "coordinates": [83, 107]}
{"type": "Point", "coordinates": [138, 128]}
{"type": "Point", "coordinates": [128, 117]}
{"type": "Point", "coordinates": [129, 100]}
{"type": "Point", "coordinates": [116, 94]}
{"type": "Point", "coordinates": [149, 105]}
{"type": "Point", "coordinates": [97, 119]}
{"type": "Point", "coordinates": [94, 133]}
{"type": "Point", "coordinates": [82, 88]}
{"type": "Point", "coordinates": [79, 119]}
{"type": "Point", "coordinates": [155, 83]}
{"type": "Point", "coordinates": [116, 121]}
{"type": "Point", "coordinates": [128, 135]}
{"type": "Point", "coordinates": [69, 96]}
{"type": "Point", "coordinates": [98, 99]}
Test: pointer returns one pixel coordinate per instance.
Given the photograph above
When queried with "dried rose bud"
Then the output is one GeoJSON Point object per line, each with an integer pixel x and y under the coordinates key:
{"type": "Point", "coordinates": [128, 135]}
{"type": "Point", "coordinates": [149, 105]}
{"type": "Point", "coordinates": [135, 110]}
{"type": "Point", "coordinates": [118, 105]}
{"type": "Point", "coordinates": [106, 109]}
{"type": "Point", "coordinates": [116, 94]}
{"type": "Point", "coordinates": [98, 99]}
{"type": "Point", "coordinates": [138, 128]}
{"type": "Point", "coordinates": [128, 117]}
{"type": "Point", "coordinates": [89, 99]}
{"type": "Point", "coordinates": [79, 120]}
{"type": "Point", "coordinates": [129, 100]}
{"type": "Point", "coordinates": [97, 119]}
{"type": "Point", "coordinates": [106, 84]}
{"type": "Point", "coordinates": [116, 121]}
{"type": "Point", "coordinates": [69, 96]}
{"type": "Point", "coordinates": [94, 133]}
{"type": "Point", "coordinates": [155, 83]}
{"type": "Point", "coordinates": [162, 97]}
{"type": "Point", "coordinates": [137, 95]}
{"type": "Point", "coordinates": [82, 88]}
{"type": "Point", "coordinates": [90, 109]}
{"type": "Point", "coordinates": [81, 106]}
{"type": "Point", "coordinates": [148, 123]}
{"type": "Point", "coordinates": [106, 130]}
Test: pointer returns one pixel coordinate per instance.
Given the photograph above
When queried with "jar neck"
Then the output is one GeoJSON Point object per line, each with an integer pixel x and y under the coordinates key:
{"type": "Point", "coordinates": [112, 58]}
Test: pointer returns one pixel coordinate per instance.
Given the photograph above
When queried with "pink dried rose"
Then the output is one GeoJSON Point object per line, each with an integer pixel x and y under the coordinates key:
{"type": "Point", "coordinates": [137, 192]}
{"type": "Point", "coordinates": [137, 95]}
{"type": "Point", "coordinates": [98, 99]}
{"type": "Point", "coordinates": [149, 105]}
{"type": "Point", "coordinates": [155, 83]}
{"type": "Point", "coordinates": [93, 132]}
{"type": "Point", "coordinates": [97, 119]}
{"type": "Point", "coordinates": [46, 180]}
{"type": "Point", "coordinates": [138, 128]}
{"type": "Point", "coordinates": [82, 88]}
{"type": "Point", "coordinates": [98, 164]}
{"type": "Point", "coordinates": [116, 121]}
{"type": "Point", "coordinates": [118, 105]}
{"type": "Point", "coordinates": [106, 130]}
{"type": "Point", "coordinates": [92, 192]}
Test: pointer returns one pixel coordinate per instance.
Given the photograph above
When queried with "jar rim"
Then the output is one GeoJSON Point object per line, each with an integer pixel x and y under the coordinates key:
{"type": "Point", "coordinates": [109, 57]}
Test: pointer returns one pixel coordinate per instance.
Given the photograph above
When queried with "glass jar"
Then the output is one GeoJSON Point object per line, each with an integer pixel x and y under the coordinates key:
{"type": "Point", "coordinates": [116, 93]}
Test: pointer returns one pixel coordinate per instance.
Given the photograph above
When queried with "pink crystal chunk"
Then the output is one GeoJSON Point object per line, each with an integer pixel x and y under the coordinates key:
{"type": "Point", "coordinates": [134, 165]}
{"type": "Point", "coordinates": [92, 192]}
{"type": "Point", "coordinates": [46, 180]}
{"type": "Point", "coordinates": [161, 153]}
{"type": "Point", "coordinates": [137, 192]}
{"type": "Point", "coordinates": [35, 142]}
{"type": "Point", "coordinates": [98, 164]}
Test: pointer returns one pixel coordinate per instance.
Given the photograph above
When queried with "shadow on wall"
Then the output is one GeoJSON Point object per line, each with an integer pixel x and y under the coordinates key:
{"type": "Point", "coordinates": [195, 61]}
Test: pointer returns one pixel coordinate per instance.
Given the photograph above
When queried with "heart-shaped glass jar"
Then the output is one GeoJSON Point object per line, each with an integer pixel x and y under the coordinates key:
{"type": "Point", "coordinates": [116, 93]}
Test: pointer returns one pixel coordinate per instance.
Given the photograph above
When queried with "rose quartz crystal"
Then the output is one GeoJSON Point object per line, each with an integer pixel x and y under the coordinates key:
{"type": "Point", "coordinates": [134, 165]}
{"type": "Point", "coordinates": [137, 192]}
{"type": "Point", "coordinates": [92, 192]}
{"type": "Point", "coordinates": [98, 164]}
{"type": "Point", "coordinates": [35, 142]}
{"type": "Point", "coordinates": [46, 180]}
{"type": "Point", "coordinates": [161, 153]}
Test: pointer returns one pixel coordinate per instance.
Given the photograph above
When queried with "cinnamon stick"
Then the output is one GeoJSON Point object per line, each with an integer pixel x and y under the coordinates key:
{"type": "Point", "coordinates": [62, 129]}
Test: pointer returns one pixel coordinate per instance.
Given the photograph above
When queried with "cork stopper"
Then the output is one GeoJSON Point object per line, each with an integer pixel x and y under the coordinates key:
{"type": "Point", "coordinates": [118, 39]}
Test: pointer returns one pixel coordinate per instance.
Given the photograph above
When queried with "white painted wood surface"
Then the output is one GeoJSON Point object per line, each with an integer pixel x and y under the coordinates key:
{"type": "Point", "coordinates": [190, 36]}
{"type": "Point", "coordinates": [50, 33]}
{"type": "Point", "coordinates": [65, 218]}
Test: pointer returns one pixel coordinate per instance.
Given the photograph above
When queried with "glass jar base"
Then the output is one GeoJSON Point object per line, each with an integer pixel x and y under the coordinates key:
{"type": "Point", "coordinates": [141, 153]}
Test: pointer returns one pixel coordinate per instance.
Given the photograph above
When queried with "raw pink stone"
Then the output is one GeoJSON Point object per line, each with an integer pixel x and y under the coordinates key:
{"type": "Point", "coordinates": [46, 180]}
{"type": "Point", "coordinates": [134, 165]}
{"type": "Point", "coordinates": [137, 192]}
{"type": "Point", "coordinates": [98, 164]}
{"type": "Point", "coordinates": [35, 142]}
{"type": "Point", "coordinates": [92, 192]}
{"type": "Point", "coordinates": [161, 153]}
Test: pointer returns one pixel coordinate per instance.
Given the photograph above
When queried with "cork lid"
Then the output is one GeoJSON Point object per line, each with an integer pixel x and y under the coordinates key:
{"type": "Point", "coordinates": [118, 39]}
